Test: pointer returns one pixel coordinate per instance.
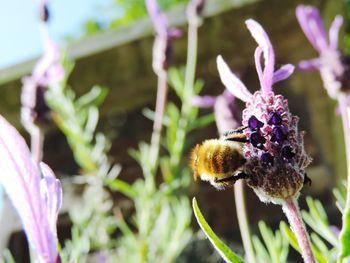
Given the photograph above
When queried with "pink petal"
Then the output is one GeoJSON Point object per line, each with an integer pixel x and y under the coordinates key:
{"type": "Point", "coordinates": [51, 192]}
{"type": "Point", "coordinates": [257, 57]}
{"type": "Point", "coordinates": [263, 41]}
{"type": "Point", "coordinates": [311, 23]}
{"type": "Point", "coordinates": [159, 20]}
{"type": "Point", "coordinates": [311, 64]}
{"type": "Point", "coordinates": [232, 83]}
{"type": "Point", "coordinates": [203, 101]}
{"type": "Point", "coordinates": [282, 73]}
{"type": "Point", "coordinates": [21, 181]}
{"type": "Point", "coordinates": [225, 111]}
{"type": "Point", "coordinates": [334, 31]}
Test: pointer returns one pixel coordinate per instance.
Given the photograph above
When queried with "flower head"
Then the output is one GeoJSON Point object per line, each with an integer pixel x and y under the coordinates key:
{"type": "Point", "coordinates": [36, 200]}
{"type": "Point", "coordinates": [331, 63]}
{"type": "Point", "coordinates": [164, 35]}
{"type": "Point", "coordinates": [47, 70]}
{"type": "Point", "coordinates": [276, 159]}
{"type": "Point", "coordinates": [225, 110]}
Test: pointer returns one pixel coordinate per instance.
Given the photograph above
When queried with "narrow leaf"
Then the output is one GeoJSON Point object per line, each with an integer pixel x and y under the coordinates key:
{"type": "Point", "coordinates": [122, 187]}
{"type": "Point", "coordinates": [225, 252]}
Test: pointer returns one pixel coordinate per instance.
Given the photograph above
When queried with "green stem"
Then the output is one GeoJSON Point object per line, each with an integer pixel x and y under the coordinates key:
{"type": "Point", "coordinates": [243, 221]}
{"type": "Point", "coordinates": [162, 91]}
{"type": "Point", "coordinates": [345, 232]}
{"type": "Point", "coordinates": [191, 64]}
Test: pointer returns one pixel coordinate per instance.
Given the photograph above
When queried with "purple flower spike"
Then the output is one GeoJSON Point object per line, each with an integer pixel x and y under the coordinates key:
{"type": "Point", "coordinates": [164, 35]}
{"type": "Point", "coordinates": [36, 200]}
{"type": "Point", "coordinates": [312, 25]}
{"type": "Point", "coordinates": [276, 170]}
{"type": "Point", "coordinates": [160, 22]}
{"type": "Point", "coordinates": [330, 62]}
{"type": "Point", "coordinates": [225, 110]}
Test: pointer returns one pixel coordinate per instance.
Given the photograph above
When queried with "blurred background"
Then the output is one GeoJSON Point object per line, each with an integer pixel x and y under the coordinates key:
{"type": "Point", "coordinates": [111, 44]}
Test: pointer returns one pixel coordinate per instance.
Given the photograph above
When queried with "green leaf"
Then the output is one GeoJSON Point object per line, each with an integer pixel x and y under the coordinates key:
{"type": "Point", "coordinates": [288, 233]}
{"type": "Point", "coordinates": [340, 194]}
{"type": "Point", "coordinates": [345, 232]}
{"type": "Point", "coordinates": [260, 250]}
{"type": "Point", "coordinates": [202, 121]}
{"type": "Point", "coordinates": [225, 252]}
{"type": "Point", "coordinates": [198, 86]}
{"type": "Point", "coordinates": [317, 219]}
{"type": "Point", "coordinates": [176, 81]}
{"type": "Point", "coordinates": [150, 114]}
{"type": "Point", "coordinates": [94, 97]}
{"type": "Point", "coordinates": [122, 187]}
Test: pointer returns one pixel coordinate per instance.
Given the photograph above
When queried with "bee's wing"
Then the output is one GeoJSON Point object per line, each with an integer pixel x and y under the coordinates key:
{"type": "Point", "coordinates": [236, 135]}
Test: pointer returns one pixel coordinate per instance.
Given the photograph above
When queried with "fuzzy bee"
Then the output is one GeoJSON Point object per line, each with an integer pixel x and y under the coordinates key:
{"type": "Point", "coordinates": [220, 161]}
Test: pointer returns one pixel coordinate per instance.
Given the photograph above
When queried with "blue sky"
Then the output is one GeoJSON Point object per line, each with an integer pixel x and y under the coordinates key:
{"type": "Point", "coordinates": [20, 38]}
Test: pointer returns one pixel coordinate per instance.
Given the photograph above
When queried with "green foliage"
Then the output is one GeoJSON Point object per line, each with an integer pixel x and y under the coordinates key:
{"type": "Point", "coordinates": [136, 9]}
{"type": "Point", "coordinates": [77, 118]}
{"type": "Point", "coordinates": [345, 232]}
{"type": "Point", "coordinates": [275, 247]}
{"type": "Point", "coordinates": [7, 257]}
{"type": "Point", "coordinates": [325, 243]}
{"type": "Point", "coordinates": [225, 252]}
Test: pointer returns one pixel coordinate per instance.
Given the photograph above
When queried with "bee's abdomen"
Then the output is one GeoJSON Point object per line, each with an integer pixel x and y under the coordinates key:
{"type": "Point", "coordinates": [222, 158]}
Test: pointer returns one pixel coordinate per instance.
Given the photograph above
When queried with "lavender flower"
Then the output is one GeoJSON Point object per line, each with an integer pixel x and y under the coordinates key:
{"type": "Point", "coordinates": [275, 155]}
{"type": "Point", "coordinates": [225, 110]}
{"type": "Point", "coordinates": [164, 35]}
{"type": "Point", "coordinates": [36, 200]}
{"type": "Point", "coordinates": [276, 159]}
{"type": "Point", "coordinates": [47, 71]}
{"type": "Point", "coordinates": [331, 63]}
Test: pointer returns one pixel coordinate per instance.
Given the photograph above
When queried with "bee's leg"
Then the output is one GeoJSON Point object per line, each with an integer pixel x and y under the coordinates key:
{"type": "Point", "coordinates": [234, 178]}
{"type": "Point", "coordinates": [307, 180]}
{"type": "Point", "coordinates": [237, 138]}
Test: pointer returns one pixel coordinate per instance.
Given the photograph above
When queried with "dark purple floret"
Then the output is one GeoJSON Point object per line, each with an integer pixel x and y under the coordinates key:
{"type": "Point", "coordinates": [254, 123]}
{"type": "Point", "coordinates": [287, 153]}
{"type": "Point", "coordinates": [278, 134]}
{"type": "Point", "coordinates": [266, 159]}
{"type": "Point", "coordinates": [274, 118]}
{"type": "Point", "coordinates": [257, 140]}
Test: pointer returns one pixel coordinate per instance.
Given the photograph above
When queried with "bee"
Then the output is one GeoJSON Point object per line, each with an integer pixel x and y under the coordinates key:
{"type": "Point", "coordinates": [220, 161]}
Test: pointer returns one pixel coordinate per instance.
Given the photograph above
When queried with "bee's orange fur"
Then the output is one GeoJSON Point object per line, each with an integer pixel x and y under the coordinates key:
{"type": "Point", "coordinates": [216, 159]}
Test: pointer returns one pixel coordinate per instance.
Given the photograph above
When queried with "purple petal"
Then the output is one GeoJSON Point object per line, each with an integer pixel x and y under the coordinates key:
{"type": "Point", "coordinates": [232, 83]}
{"type": "Point", "coordinates": [48, 69]}
{"type": "Point", "coordinates": [21, 181]}
{"type": "Point", "coordinates": [284, 72]}
{"type": "Point", "coordinates": [203, 101]}
{"type": "Point", "coordinates": [160, 22]}
{"type": "Point", "coordinates": [311, 64]}
{"type": "Point", "coordinates": [225, 113]}
{"type": "Point", "coordinates": [334, 31]}
{"type": "Point", "coordinates": [263, 41]}
{"type": "Point", "coordinates": [311, 23]}
{"type": "Point", "coordinates": [51, 193]}
{"type": "Point", "coordinates": [257, 57]}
